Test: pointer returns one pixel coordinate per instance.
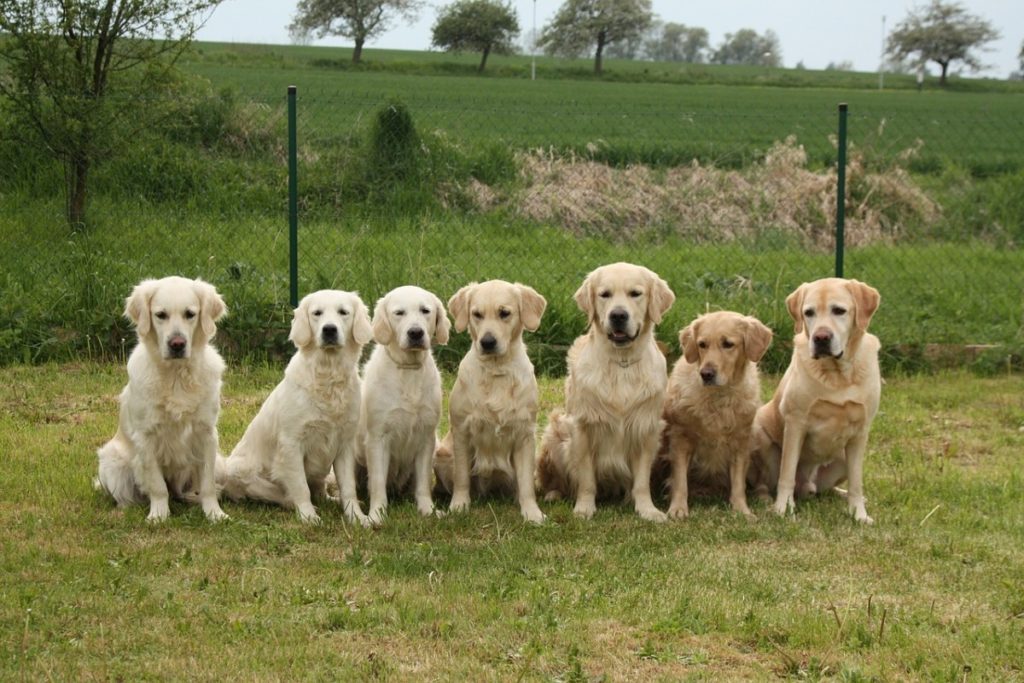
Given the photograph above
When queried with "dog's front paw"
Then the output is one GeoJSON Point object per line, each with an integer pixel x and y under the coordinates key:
{"type": "Point", "coordinates": [652, 514]}
{"type": "Point", "coordinates": [584, 509]}
{"type": "Point", "coordinates": [215, 514]}
{"type": "Point", "coordinates": [460, 503]}
{"type": "Point", "coordinates": [532, 514]}
{"type": "Point", "coordinates": [425, 507]}
{"type": "Point", "coordinates": [307, 515]}
{"type": "Point", "coordinates": [784, 504]}
{"type": "Point", "coordinates": [860, 514]}
{"type": "Point", "coordinates": [377, 516]}
{"type": "Point", "coordinates": [159, 510]}
{"type": "Point", "coordinates": [679, 511]}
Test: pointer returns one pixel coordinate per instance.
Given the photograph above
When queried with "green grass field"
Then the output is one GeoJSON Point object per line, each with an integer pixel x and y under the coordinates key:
{"type": "Point", "coordinates": [931, 592]}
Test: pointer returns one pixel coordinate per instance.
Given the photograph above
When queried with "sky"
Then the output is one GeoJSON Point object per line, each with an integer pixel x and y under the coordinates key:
{"type": "Point", "coordinates": [814, 32]}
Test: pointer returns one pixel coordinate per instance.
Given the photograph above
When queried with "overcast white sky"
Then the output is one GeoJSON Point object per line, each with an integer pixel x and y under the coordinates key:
{"type": "Point", "coordinates": [815, 32]}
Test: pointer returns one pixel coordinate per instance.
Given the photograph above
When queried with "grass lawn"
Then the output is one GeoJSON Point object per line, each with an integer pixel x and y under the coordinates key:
{"type": "Point", "coordinates": [935, 590]}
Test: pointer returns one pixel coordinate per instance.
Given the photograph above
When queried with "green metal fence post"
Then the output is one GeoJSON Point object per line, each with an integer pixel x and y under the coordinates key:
{"type": "Point", "coordinates": [293, 201]}
{"type": "Point", "coordinates": [841, 192]}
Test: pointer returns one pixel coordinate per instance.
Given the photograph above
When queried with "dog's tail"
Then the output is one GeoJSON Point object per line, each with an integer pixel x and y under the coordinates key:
{"type": "Point", "coordinates": [115, 474]}
{"type": "Point", "coordinates": [553, 459]}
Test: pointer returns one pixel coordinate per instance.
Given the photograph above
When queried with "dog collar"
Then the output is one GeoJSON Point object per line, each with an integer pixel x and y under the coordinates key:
{"type": "Point", "coordinates": [403, 365]}
{"type": "Point", "coordinates": [626, 362]}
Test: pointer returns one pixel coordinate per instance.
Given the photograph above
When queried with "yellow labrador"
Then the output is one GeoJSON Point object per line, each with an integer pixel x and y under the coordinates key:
{"type": "Point", "coordinates": [493, 405]}
{"type": "Point", "coordinates": [605, 441]}
{"type": "Point", "coordinates": [402, 398]}
{"type": "Point", "coordinates": [309, 422]}
{"type": "Point", "coordinates": [713, 393]}
{"type": "Point", "coordinates": [814, 432]}
{"type": "Point", "coordinates": [166, 440]}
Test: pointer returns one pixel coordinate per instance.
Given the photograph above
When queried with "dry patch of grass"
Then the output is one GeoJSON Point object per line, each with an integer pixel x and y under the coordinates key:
{"type": "Point", "coordinates": [706, 203]}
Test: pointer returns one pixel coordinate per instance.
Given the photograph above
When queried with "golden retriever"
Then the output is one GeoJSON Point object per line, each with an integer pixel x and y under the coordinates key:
{"type": "Point", "coordinates": [605, 441]}
{"type": "Point", "coordinates": [166, 440]}
{"type": "Point", "coordinates": [713, 393]}
{"type": "Point", "coordinates": [816, 425]}
{"type": "Point", "coordinates": [492, 410]}
{"type": "Point", "coordinates": [401, 403]}
{"type": "Point", "coordinates": [309, 422]}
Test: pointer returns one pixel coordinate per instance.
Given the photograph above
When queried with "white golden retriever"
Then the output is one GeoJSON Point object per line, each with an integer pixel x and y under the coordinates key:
{"type": "Point", "coordinates": [713, 393]}
{"type": "Point", "coordinates": [309, 422]}
{"type": "Point", "coordinates": [491, 445]}
{"type": "Point", "coordinates": [401, 403]}
{"type": "Point", "coordinates": [608, 436]}
{"type": "Point", "coordinates": [166, 440]}
{"type": "Point", "coordinates": [814, 432]}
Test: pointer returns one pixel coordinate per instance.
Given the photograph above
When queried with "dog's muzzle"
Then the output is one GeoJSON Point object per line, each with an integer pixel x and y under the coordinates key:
{"type": "Point", "coordinates": [177, 346]}
{"type": "Point", "coordinates": [415, 338]}
{"type": "Point", "coordinates": [329, 335]}
{"type": "Point", "coordinates": [821, 345]}
{"type": "Point", "coordinates": [488, 344]}
{"type": "Point", "coordinates": [618, 322]}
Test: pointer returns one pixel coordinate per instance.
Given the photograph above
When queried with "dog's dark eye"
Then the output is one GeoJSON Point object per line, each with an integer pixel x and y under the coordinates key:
{"type": "Point", "coordinates": [317, 313]}
{"type": "Point", "coordinates": [478, 315]}
{"type": "Point", "coordinates": [636, 293]}
{"type": "Point", "coordinates": [702, 345]}
{"type": "Point", "coordinates": [726, 344]}
{"type": "Point", "coordinates": [400, 312]}
{"type": "Point", "coordinates": [838, 310]}
{"type": "Point", "coordinates": [424, 310]}
{"type": "Point", "coordinates": [189, 315]}
{"type": "Point", "coordinates": [161, 315]}
{"type": "Point", "coordinates": [342, 311]}
{"type": "Point", "coordinates": [605, 294]}
{"type": "Point", "coordinates": [809, 313]}
{"type": "Point", "coordinates": [504, 313]}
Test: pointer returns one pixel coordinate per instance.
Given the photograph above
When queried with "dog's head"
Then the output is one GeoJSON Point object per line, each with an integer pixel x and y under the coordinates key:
{"type": "Point", "coordinates": [722, 343]}
{"type": "Point", "coordinates": [175, 315]}
{"type": "Point", "coordinates": [496, 313]}
{"type": "Point", "coordinates": [623, 300]}
{"type": "Point", "coordinates": [833, 312]}
{"type": "Point", "coordinates": [330, 320]}
{"type": "Point", "coordinates": [410, 317]}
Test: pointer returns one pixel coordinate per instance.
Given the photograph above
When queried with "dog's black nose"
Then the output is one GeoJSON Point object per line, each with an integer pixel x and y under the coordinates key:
{"type": "Point", "coordinates": [415, 334]}
{"type": "Point", "coordinates": [177, 345]}
{"type": "Point", "coordinates": [618, 317]}
{"type": "Point", "coordinates": [488, 343]}
{"type": "Point", "coordinates": [708, 375]}
{"type": "Point", "coordinates": [329, 332]}
{"type": "Point", "coordinates": [822, 337]}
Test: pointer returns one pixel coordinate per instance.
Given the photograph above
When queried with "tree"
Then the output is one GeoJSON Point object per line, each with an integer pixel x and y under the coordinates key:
{"type": "Point", "coordinates": [580, 24]}
{"type": "Point", "coordinates": [942, 33]}
{"type": "Point", "coordinates": [81, 74]}
{"type": "Point", "coordinates": [678, 43]}
{"type": "Point", "coordinates": [358, 20]}
{"type": "Point", "coordinates": [483, 26]}
{"type": "Point", "coordinates": [747, 47]}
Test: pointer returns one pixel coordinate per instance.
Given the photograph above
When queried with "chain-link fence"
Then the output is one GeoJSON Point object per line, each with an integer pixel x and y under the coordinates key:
{"type": "Point", "coordinates": [729, 194]}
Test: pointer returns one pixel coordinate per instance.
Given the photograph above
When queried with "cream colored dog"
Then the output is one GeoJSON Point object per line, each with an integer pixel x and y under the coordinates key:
{"type": "Point", "coordinates": [713, 393]}
{"type": "Point", "coordinates": [493, 405]}
{"type": "Point", "coordinates": [402, 398]}
{"type": "Point", "coordinates": [814, 432]}
{"type": "Point", "coordinates": [309, 422]}
{"type": "Point", "coordinates": [607, 438]}
{"type": "Point", "coordinates": [166, 440]}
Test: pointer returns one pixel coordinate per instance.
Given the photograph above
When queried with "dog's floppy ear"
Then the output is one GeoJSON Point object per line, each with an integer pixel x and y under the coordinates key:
{"type": "Point", "coordinates": [211, 307]}
{"type": "Point", "coordinates": [661, 298]}
{"type": "Point", "coordinates": [302, 332]}
{"type": "Point", "coordinates": [688, 342]}
{"type": "Point", "coordinates": [362, 330]}
{"type": "Point", "coordinates": [584, 296]}
{"type": "Point", "coordinates": [136, 306]}
{"type": "Point", "coordinates": [442, 327]}
{"type": "Point", "coordinates": [458, 305]}
{"type": "Point", "coordinates": [795, 304]}
{"type": "Point", "coordinates": [531, 307]}
{"type": "Point", "coordinates": [756, 339]}
{"type": "Point", "coordinates": [867, 298]}
{"type": "Point", "coordinates": [382, 332]}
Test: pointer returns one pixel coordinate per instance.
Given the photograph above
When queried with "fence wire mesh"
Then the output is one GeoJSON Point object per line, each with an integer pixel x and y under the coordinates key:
{"type": "Point", "coordinates": [731, 199]}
